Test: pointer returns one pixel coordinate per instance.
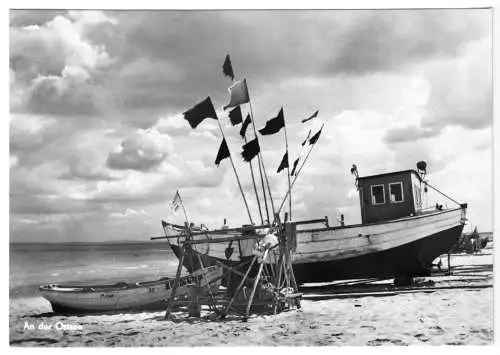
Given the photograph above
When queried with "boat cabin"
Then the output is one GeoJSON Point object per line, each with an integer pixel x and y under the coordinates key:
{"type": "Point", "coordinates": [389, 196]}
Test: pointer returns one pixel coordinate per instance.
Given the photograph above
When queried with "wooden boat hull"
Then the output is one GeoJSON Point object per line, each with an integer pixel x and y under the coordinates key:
{"type": "Point", "coordinates": [412, 259]}
{"type": "Point", "coordinates": [403, 247]}
{"type": "Point", "coordinates": [150, 295]}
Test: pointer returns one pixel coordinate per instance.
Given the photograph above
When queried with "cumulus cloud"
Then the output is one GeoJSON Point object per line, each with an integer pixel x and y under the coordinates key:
{"type": "Point", "coordinates": [81, 170]}
{"type": "Point", "coordinates": [143, 151]}
{"type": "Point", "coordinates": [46, 50]}
{"type": "Point", "coordinates": [69, 94]}
{"type": "Point", "coordinates": [53, 64]}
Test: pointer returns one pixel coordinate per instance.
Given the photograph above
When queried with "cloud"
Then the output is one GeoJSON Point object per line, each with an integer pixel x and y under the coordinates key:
{"type": "Point", "coordinates": [81, 170]}
{"type": "Point", "coordinates": [462, 90]}
{"type": "Point", "coordinates": [68, 95]}
{"type": "Point", "coordinates": [13, 161]}
{"type": "Point", "coordinates": [387, 41]}
{"type": "Point", "coordinates": [97, 135]}
{"type": "Point", "coordinates": [54, 65]}
{"type": "Point", "coordinates": [143, 151]}
{"type": "Point", "coordinates": [47, 49]}
{"type": "Point", "coordinates": [409, 134]}
{"type": "Point", "coordinates": [128, 213]}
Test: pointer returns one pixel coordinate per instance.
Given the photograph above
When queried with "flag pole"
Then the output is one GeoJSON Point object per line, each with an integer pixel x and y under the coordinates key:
{"type": "Point", "coordinates": [288, 173]}
{"type": "Point", "coordinates": [236, 174]}
{"type": "Point", "coordinates": [260, 168]}
{"type": "Point", "coordinates": [261, 161]}
{"type": "Point", "coordinates": [297, 175]}
{"type": "Point", "coordinates": [255, 187]}
{"type": "Point", "coordinates": [182, 205]}
{"type": "Point", "coordinates": [251, 167]}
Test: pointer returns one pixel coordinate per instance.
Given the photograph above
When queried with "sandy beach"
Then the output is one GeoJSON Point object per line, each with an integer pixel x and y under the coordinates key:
{"type": "Point", "coordinates": [436, 316]}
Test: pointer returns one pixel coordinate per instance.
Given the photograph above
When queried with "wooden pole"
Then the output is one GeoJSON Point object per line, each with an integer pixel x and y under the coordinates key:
{"type": "Point", "coordinates": [278, 280]}
{"type": "Point", "coordinates": [261, 161]}
{"type": "Point", "coordinates": [449, 264]}
{"type": "Point", "coordinates": [176, 284]}
{"type": "Point", "coordinates": [236, 174]}
{"type": "Point", "coordinates": [297, 175]}
{"type": "Point", "coordinates": [255, 188]}
{"type": "Point", "coordinates": [256, 283]}
{"type": "Point", "coordinates": [243, 280]}
{"type": "Point", "coordinates": [288, 175]}
{"type": "Point", "coordinates": [189, 237]}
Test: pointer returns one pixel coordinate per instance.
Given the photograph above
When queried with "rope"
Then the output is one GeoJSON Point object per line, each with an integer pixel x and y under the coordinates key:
{"type": "Point", "coordinates": [442, 193]}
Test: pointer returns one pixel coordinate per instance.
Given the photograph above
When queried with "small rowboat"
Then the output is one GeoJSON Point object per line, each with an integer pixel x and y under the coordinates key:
{"type": "Point", "coordinates": [122, 296]}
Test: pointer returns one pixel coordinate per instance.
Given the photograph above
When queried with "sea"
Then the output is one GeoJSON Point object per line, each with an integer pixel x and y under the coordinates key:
{"type": "Point", "coordinates": [35, 264]}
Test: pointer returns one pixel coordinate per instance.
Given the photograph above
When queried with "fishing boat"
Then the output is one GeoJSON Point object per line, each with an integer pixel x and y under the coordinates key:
{"type": "Point", "coordinates": [123, 296]}
{"type": "Point", "coordinates": [398, 238]}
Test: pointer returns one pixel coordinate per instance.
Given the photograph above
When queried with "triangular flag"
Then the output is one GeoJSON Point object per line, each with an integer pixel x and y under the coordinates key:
{"type": "Point", "coordinates": [294, 166]}
{"type": "Point", "coordinates": [239, 94]}
{"type": "Point", "coordinates": [274, 124]}
{"type": "Point", "coordinates": [198, 113]}
{"type": "Point", "coordinates": [310, 117]}
{"type": "Point", "coordinates": [235, 116]}
{"type": "Point", "coordinates": [250, 150]}
{"type": "Point", "coordinates": [284, 162]}
{"type": "Point", "coordinates": [176, 202]}
{"type": "Point", "coordinates": [315, 138]}
{"type": "Point", "coordinates": [244, 126]}
{"type": "Point", "coordinates": [223, 152]}
{"type": "Point", "coordinates": [305, 140]}
{"type": "Point", "coordinates": [227, 68]}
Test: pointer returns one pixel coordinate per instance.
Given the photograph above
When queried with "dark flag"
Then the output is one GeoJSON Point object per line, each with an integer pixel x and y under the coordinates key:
{"type": "Point", "coordinates": [274, 124]}
{"type": "Point", "coordinates": [315, 138]}
{"type": "Point", "coordinates": [310, 117]}
{"type": "Point", "coordinates": [223, 152]}
{"type": "Point", "coordinates": [227, 68]}
{"type": "Point", "coordinates": [250, 150]}
{"type": "Point", "coordinates": [294, 166]}
{"type": "Point", "coordinates": [305, 140]}
{"type": "Point", "coordinates": [244, 126]}
{"type": "Point", "coordinates": [284, 162]}
{"type": "Point", "coordinates": [235, 116]}
{"type": "Point", "coordinates": [199, 112]}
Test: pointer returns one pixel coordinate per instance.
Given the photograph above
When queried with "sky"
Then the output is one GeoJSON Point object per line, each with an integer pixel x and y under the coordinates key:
{"type": "Point", "coordinates": [98, 144]}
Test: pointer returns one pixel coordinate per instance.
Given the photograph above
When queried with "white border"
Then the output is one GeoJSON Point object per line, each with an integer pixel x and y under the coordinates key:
{"type": "Point", "coordinates": [224, 4]}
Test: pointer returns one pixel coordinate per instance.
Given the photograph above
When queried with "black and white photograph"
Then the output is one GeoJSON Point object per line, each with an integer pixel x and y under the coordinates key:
{"type": "Point", "coordinates": [195, 177]}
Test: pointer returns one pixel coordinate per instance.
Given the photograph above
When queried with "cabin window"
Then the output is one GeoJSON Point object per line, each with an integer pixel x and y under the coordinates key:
{"type": "Point", "coordinates": [396, 192]}
{"type": "Point", "coordinates": [378, 194]}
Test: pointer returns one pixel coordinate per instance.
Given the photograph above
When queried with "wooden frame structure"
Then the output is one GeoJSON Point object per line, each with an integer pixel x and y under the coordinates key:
{"type": "Point", "coordinates": [261, 282]}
